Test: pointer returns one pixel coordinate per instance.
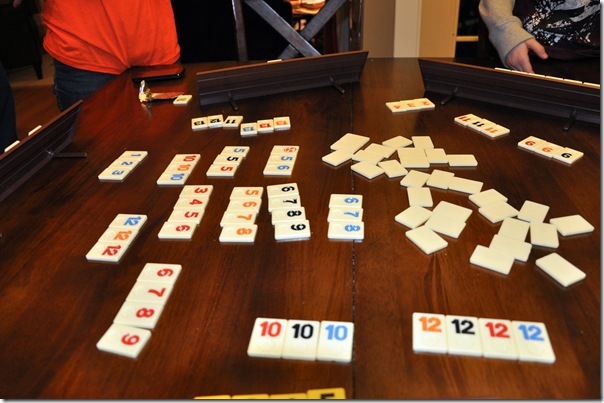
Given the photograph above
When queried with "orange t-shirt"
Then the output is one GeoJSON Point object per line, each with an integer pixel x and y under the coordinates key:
{"type": "Point", "coordinates": [110, 36]}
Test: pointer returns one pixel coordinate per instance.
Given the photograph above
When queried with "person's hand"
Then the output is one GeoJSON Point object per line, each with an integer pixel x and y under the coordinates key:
{"type": "Point", "coordinates": [518, 58]}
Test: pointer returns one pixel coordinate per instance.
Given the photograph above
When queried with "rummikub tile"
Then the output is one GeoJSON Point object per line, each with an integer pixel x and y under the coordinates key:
{"type": "Point", "coordinates": [266, 126]}
{"type": "Point", "coordinates": [282, 123]}
{"type": "Point", "coordinates": [129, 221]}
{"type": "Point", "coordinates": [337, 157]}
{"type": "Point", "coordinates": [222, 170]}
{"type": "Point", "coordinates": [572, 225]}
{"type": "Point", "coordinates": [532, 211]}
{"type": "Point", "coordinates": [179, 167]}
{"type": "Point", "coordinates": [519, 249]}
{"type": "Point", "coordinates": [236, 150]}
{"type": "Point", "coordinates": [247, 204]}
{"type": "Point", "coordinates": [114, 174]}
{"type": "Point", "coordinates": [140, 314]}
{"type": "Point", "coordinates": [413, 216]}
{"type": "Point", "coordinates": [480, 124]}
{"type": "Point", "coordinates": [419, 197]}
{"type": "Point", "coordinates": [396, 106]}
{"type": "Point", "coordinates": [411, 157]}
{"type": "Point", "coordinates": [199, 123]}
{"type": "Point", "coordinates": [267, 338]}
{"type": "Point", "coordinates": [345, 200]}
{"type": "Point", "coordinates": [397, 142]}
{"type": "Point", "coordinates": [185, 158]}
{"type": "Point", "coordinates": [177, 230]}
{"type": "Point", "coordinates": [367, 169]}
{"type": "Point", "coordinates": [498, 339]}
{"type": "Point", "coordinates": [125, 163]}
{"type": "Point", "coordinates": [429, 333]}
{"type": "Point", "coordinates": [453, 211]}
{"type": "Point", "coordinates": [445, 225]}
{"type": "Point", "coordinates": [215, 121]}
{"type": "Point", "coordinates": [196, 190]}
{"type": "Point", "coordinates": [532, 342]}
{"type": "Point", "coordinates": [514, 228]}
{"type": "Point", "coordinates": [496, 212]}
{"type": "Point", "coordinates": [139, 155]}
{"type": "Point", "coordinates": [440, 179]}
{"type": "Point", "coordinates": [544, 234]}
{"type": "Point", "coordinates": [118, 235]}
{"type": "Point", "coordinates": [462, 160]}
{"type": "Point", "coordinates": [487, 197]}
{"type": "Point", "coordinates": [436, 156]}
{"type": "Point", "coordinates": [463, 335]}
{"type": "Point", "coordinates": [246, 191]}
{"type": "Point", "coordinates": [350, 142]}
{"type": "Point", "coordinates": [152, 291]}
{"type": "Point", "coordinates": [411, 104]}
{"type": "Point", "coordinates": [182, 99]}
{"type": "Point", "coordinates": [494, 130]}
{"type": "Point", "coordinates": [235, 218]}
{"type": "Point", "coordinates": [191, 203]}
{"type": "Point", "coordinates": [292, 231]}
{"type": "Point", "coordinates": [331, 393]}
{"type": "Point", "coordinates": [364, 155]}
{"type": "Point", "coordinates": [248, 129]}
{"type": "Point", "coordinates": [492, 259]}
{"type": "Point", "coordinates": [464, 120]}
{"type": "Point", "coordinates": [227, 160]}
{"type": "Point", "coordinates": [286, 201]}
{"type": "Point", "coordinates": [384, 151]}
{"type": "Point", "coordinates": [422, 142]}
{"type": "Point", "coordinates": [465, 185]}
{"type": "Point", "coordinates": [288, 214]}
{"type": "Point", "coordinates": [232, 122]}
{"type": "Point", "coordinates": [335, 341]}
{"type": "Point", "coordinates": [111, 252]}
{"type": "Point", "coordinates": [548, 149]}
{"type": "Point", "coordinates": [160, 272]}
{"type": "Point", "coordinates": [278, 169]}
{"type": "Point", "coordinates": [345, 214]}
{"type": "Point", "coordinates": [173, 178]}
{"type": "Point", "coordinates": [393, 168]}
{"type": "Point", "coordinates": [285, 149]}
{"type": "Point", "coordinates": [560, 269]}
{"type": "Point", "coordinates": [425, 103]}
{"type": "Point", "coordinates": [282, 158]}
{"type": "Point", "coordinates": [426, 239]}
{"type": "Point", "coordinates": [350, 230]}
{"type": "Point", "coordinates": [415, 179]}
{"type": "Point", "coordinates": [122, 340]}
{"type": "Point", "coordinates": [568, 155]}
{"type": "Point", "coordinates": [238, 233]}
{"type": "Point", "coordinates": [301, 339]}
{"type": "Point", "coordinates": [283, 189]}
{"type": "Point", "coordinates": [530, 143]}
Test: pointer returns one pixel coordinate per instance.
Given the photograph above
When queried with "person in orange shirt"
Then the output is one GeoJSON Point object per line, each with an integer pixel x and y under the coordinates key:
{"type": "Point", "coordinates": [92, 41]}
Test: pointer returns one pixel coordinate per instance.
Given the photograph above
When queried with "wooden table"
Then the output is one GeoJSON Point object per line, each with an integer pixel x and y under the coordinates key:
{"type": "Point", "coordinates": [55, 305]}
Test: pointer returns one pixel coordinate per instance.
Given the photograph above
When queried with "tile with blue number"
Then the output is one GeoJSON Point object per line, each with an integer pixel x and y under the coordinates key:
{"type": "Point", "coordinates": [335, 341]}
{"type": "Point", "coordinates": [533, 342]}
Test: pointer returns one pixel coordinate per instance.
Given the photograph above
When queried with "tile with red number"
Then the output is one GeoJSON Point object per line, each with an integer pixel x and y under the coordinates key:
{"type": "Point", "coordinates": [124, 340]}
{"type": "Point", "coordinates": [140, 314]}
{"type": "Point", "coordinates": [267, 338]}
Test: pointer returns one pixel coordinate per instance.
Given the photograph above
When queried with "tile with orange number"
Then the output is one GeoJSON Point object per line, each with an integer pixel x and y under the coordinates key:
{"type": "Point", "coordinates": [238, 233]}
{"type": "Point", "coordinates": [429, 333]}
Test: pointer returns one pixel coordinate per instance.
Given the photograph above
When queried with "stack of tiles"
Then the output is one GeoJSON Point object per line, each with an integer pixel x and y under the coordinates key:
{"type": "Point", "coordinates": [480, 125]}
{"type": "Point", "coordinates": [346, 217]}
{"type": "Point", "coordinates": [187, 213]}
{"type": "Point", "coordinates": [228, 161]}
{"type": "Point", "coordinates": [287, 214]}
{"type": "Point", "coordinates": [408, 105]}
{"type": "Point", "coordinates": [302, 340]}
{"type": "Point", "coordinates": [179, 169]}
{"type": "Point", "coordinates": [281, 161]}
{"type": "Point", "coordinates": [550, 150]}
{"type": "Point", "coordinates": [265, 126]}
{"type": "Point", "coordinates": [239, 220]}
{"type": "Point", "coordinates": [482, 337]}
{"type": "Point", "coordinates": [313, 394]}
{"type": "Point", "coordinates": [211, 122]}
{"type": "Point", "coordinates": [119, 169]}
{"type": "Point", "coordinates": [131, 328]}
{"type": "Point", "coordinates": [114, 242]}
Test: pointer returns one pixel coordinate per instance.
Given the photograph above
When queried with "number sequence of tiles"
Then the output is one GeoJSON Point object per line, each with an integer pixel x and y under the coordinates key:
{"type": "Point", "coordinates": [302, 340]}
{"type": "Point", "coordinates": [312, 394]}
{"type": "Point", "coordinates": [187, 212]}
{"type": "Point", "coordinates": [281, 161]}
{"type": "Point", "coordinates": [121, 167]}
{"type": "Point", "coordinates": [138, 315]}
{"type": "Point", "coordinates": [239, 220]}
{"type": "Point", "coordinates": [288, 216]}
{"type": "Point", "coordinates": [179, 169]}
{"type": "Point", "coordinates": [345, 217]}
{"type": "Point", "coordinates": [117, 238]}
{"type": "Point", "coordinates": [482, 337]}
{"type": "Point", "coordinates": [228, 161]}
{"type": "Point", "coordinates": [236, 121]}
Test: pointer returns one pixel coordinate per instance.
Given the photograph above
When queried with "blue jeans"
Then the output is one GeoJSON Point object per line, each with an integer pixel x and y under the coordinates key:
{"type": "Point", "coordinates": [71, 84]}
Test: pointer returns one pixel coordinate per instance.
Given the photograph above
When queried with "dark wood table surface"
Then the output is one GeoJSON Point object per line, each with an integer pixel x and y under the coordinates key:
{"type": "Point", "coordinates": [55, 305]}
